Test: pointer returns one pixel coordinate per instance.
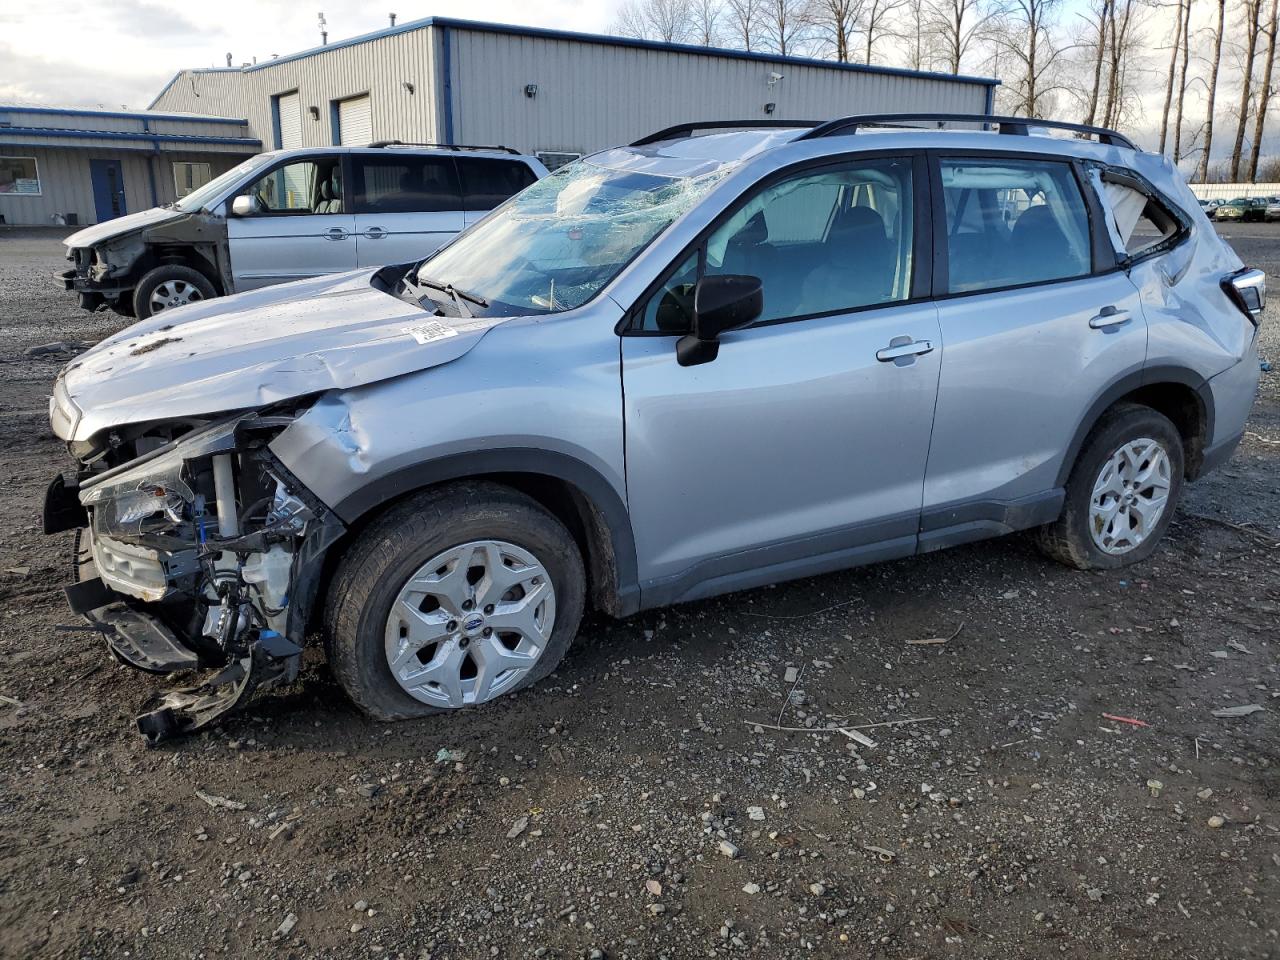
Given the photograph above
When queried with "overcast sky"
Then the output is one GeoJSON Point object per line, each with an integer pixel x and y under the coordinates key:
{"type": "Point", "coordinates": [87, 53]}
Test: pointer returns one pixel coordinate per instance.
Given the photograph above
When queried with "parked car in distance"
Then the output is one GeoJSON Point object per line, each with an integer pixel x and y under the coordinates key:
{"type": "Point", "coordinates": [1272, 211]}
{"type": "Point", "coordinates": [1244, 209]}
{"type": "Point", "coordinates": [723, 356]}
{"type": "Point", "coordinates": [290, 215]}
{"type": "Point", "coordinates": [1208, 206]}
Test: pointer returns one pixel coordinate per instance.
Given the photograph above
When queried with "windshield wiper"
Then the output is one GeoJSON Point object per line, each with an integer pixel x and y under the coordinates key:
{"type": "Point", "coordinates": [460, 297]}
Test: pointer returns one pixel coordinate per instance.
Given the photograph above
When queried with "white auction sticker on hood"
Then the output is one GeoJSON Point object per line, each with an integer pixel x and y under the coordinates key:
{"type": "Point", "coordinates": [430, 331]}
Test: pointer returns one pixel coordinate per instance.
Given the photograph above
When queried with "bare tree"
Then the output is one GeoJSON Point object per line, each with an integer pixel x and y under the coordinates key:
{"type": "Point", "coordinates": [1098, 22]}
{"type": "Point", "coordinates": [1173, 70]}
{"type": "Point", "coordinates": [1203, 171]}
{"type": "Point", "coordinates": [744, 22]}
{"type": "Point", "coordinates": [1264, 93]}
{"type": "Point", "coordinates": [834, 23]}
{"type": "Point", "coordinates": [1182, 81]}
{"type": "Point", "coordinates": [1122, 38]}
{"type": "Point", "coordinates": [784, 25]}
{"type": "Point", "coordinates": [959, 25]}
{"type": "Point", "coordinates": [878, 23]}
{"type": "Point", "coordinates": [918, 35]}
{"type": "Point", "coordinates": [665, 20]}
{"type": "Point", "coordinates": [1027, 35]}
{"type": "Point", "coordinates": [1252, 9]}
{"type": "Point", "coordinates": [705, 21]}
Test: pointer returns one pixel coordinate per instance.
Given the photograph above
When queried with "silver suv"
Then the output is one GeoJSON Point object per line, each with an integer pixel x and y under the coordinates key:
{"type": "Point", "coordinates": [289, 215]}
{"type": "Point", "coordinates": [722, 356]}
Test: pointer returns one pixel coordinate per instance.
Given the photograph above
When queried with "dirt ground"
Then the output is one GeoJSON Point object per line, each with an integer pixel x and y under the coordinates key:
{"type": "Point", "coordinates": [1015, 817]}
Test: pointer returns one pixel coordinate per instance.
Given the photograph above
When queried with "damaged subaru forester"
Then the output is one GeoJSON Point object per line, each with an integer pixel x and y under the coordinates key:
{"type": "Point", "coordinates": [726, 355]}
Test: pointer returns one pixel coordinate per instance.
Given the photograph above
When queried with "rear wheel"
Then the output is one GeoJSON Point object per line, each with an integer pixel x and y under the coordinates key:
{"type": "Point", "coordinates": [168, 286]}
{"type": "Point", "coordinates": [451, 599]}
{"type": "Point", "coordinates": [1122, 492]}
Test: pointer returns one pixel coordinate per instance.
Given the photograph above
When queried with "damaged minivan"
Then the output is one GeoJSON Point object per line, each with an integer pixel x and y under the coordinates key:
{"type": "Point", "coordinates": [707, 361]}
{"type": "Point", "coordinates": [290, 215]}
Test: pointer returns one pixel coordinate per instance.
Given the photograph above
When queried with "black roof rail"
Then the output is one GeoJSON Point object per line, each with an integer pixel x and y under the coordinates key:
{"type": "Point", "coordinates": [1017, 126]}
{"type": "Point", "coordinates": [687, 129]}
{"type": "Point", "coordinates": [442, 146]}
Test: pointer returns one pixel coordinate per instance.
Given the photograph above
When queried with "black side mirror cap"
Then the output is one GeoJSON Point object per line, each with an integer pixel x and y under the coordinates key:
{"type": "Point", "coordinates": [720, 303]}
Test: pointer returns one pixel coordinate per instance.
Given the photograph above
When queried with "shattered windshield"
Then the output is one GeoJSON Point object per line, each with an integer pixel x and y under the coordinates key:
{"type": "Point", "coordinates": [553, 246]}
{"type": "Point", "coordinates": [197, 199]}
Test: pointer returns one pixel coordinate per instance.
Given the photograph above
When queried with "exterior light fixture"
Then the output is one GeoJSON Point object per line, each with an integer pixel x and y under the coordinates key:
{"type": "Point", "coordinates": [408, 86]}
{"type": "Point", "coordinates": [770, 107]}
{"type": "Point", "coordinates": [530, 90]}
{"type": "Point", "coordinates": [315, 112]}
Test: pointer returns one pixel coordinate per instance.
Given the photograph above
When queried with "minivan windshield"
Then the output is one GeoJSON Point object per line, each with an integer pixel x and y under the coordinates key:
{"type": "Point", "coordinates": [197, 199]}
{"type": "Point", "coordinates": [553, 246]}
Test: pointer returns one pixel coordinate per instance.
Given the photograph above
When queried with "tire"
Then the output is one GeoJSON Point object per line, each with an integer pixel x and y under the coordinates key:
{"type": "Point", "coordinates": [187, 286]}
{"type": "Point", "coordinates": [1071, 539]}
{"type": "Point", "coordinates": [394, 548]}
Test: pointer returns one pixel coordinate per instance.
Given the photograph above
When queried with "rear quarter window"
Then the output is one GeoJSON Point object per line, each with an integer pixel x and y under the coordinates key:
{"type": "Point", "coordinates": [486, 183]}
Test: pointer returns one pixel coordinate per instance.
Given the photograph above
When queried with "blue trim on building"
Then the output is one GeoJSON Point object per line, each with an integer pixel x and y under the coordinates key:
{"type": "Point", "coordinates": [447, 63]}
{"type": "Point", "coordinates": [547, 34]}
{"type": "Point", "coordinates": [126, 115]}
{"type": "Point", "coordinates": [335, 123]}
{"type": "Point", "coordinates": [178, 76]}
{"type": "Point", "coordinates": [133, 135]}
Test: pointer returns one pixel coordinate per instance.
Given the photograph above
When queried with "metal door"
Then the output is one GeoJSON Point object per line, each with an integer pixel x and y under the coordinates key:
{"type": "Point", "coordinates": [107, 177]}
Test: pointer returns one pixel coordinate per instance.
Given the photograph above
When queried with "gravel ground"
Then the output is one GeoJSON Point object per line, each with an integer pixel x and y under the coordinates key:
{"type": "Point", "coordinates": [630, 805]}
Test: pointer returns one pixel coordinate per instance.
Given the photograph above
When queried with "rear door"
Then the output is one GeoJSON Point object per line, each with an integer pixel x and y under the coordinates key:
{"type": "Point", "coordinates": [301, 227]}
{"type": "Point", "coordinates": [406, 205]}
{"type": "Point", "coordinates": [1038, 323]}
{"type": "Point", "coordinates": [489, 181]}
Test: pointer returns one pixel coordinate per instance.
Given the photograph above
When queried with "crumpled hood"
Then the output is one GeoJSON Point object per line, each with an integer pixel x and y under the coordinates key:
{"type": "Point", "coordinates": [253, 349]}
{"type": "Point", "coordinates": [118, 227]}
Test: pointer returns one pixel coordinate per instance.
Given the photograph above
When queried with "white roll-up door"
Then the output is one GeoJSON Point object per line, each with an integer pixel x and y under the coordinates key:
{"type": "Point", "coordinates": [290, 107]}
{"type": "Point", "coordinates": [355, 121]}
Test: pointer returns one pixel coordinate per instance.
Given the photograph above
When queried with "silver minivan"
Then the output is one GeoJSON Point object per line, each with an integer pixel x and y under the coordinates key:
{"type": "Point", "coordinates": [706, 361]}
{"type": "Point", "coordinates": [291, 215]}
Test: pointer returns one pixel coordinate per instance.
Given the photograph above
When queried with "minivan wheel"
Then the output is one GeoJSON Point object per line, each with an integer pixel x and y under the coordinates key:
{"type": "Point", "coordinates": [168, 286]}
{"type": "Point", "coordinates": [452, 598]}
{"type": "Point", "coordinates": [1122, 492]}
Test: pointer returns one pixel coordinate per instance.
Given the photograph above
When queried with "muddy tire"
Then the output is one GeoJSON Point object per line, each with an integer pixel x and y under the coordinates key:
{"type": "Point", "coordinates": [468, 575]}
{"type": "Point", "coordinates": [168, 286]}
{"type": "Point", "coordinates": [1122, 492]}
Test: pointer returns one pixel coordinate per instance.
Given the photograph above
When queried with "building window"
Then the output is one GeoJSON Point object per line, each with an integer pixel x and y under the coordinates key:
{"type": "Point", "coordinates": [19, 175]}
{"type": "Point", "coordinates": [189, 176]}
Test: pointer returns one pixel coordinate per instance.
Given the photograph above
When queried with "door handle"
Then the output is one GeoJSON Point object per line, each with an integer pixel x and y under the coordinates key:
{"type": "Point", "coordinates": [336, 233]}
{"type": "Point", "coordinates": [375, 233]}
{"type": "Point", "coordinates": [1109, 317]}
{"type": "Point", "coordinates": [901, 347]}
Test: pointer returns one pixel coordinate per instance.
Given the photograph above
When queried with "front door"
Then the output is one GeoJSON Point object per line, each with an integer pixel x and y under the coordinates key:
{"type": "Point", "coordinates": [107, 178]}
{"type": "Point", "coordinates": [802, 446]}
{"type": "Point", "coordinates": [1035, 333]}
{"type": "Point", "coordinates": [301, 226]}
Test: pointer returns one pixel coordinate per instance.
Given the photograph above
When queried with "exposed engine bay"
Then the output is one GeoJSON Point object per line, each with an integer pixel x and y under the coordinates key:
{"type": "Point", "coordinates": [197, 550]}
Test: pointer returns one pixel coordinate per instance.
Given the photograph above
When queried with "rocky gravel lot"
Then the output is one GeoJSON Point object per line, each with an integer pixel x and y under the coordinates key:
{"type": "Point", "coordinates": [1054, 783]}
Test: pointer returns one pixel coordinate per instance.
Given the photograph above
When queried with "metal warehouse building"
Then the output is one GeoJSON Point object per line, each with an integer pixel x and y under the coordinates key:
{"type": "Point", "coordinates": [548, 92]}
{"type": "Point", "coordinates": [86, 166]}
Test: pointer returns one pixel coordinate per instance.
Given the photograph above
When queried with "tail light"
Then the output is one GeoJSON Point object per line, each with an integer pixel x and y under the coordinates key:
{"type": "Point", "coordinates": [1248, 291]}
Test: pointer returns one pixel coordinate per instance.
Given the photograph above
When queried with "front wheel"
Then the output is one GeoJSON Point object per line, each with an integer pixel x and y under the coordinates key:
{"type": "Point", "coordinates": [1122, 492]}
{"type": "Point", "coordinates": [168, 286]}
{"type": "Point", "coordinates": [451, 599]}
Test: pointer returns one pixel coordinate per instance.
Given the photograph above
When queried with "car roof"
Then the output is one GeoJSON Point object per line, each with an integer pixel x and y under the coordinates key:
{"type": "Point", "coordinates": [497, 153]}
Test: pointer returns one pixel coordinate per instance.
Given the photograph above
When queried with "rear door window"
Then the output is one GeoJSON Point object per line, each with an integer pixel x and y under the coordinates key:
{"type": "Point", "coordinates": [404, 183]}
{"type": "Point", "coordinates": [1013, 222]}
{"type": "Point", "coordinates": [487, 183]}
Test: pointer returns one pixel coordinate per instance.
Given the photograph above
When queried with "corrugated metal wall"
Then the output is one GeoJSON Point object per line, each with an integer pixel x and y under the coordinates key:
{"type": "Point", "coordinates": [590, 94]}
{"type": "Point", "coordinates": [67, 188]}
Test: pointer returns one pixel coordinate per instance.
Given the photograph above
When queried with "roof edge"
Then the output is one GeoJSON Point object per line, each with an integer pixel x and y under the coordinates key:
{"type": "Point", "coordinates": [124, 114]}
{"type": "Point", "coordinates": [608, 40]}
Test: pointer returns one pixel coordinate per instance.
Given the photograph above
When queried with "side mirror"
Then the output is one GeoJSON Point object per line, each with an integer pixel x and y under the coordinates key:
{"type": "Point", "coordinates": [245, 206]}
{"type": "Point", "coordinates": [720, 303]}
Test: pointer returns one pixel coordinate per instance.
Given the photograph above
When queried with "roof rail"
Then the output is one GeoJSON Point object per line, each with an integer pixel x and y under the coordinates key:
{"type": "Point", "coordinates": [1017, 126]}
{"type": "Point", "coordinates": [687, 129]}
{"type": "Point", "coordinates": [442, 146]}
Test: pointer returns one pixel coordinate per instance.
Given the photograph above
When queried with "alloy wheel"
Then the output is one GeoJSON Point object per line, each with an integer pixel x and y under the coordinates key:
{"type": "Point", "coordinates": [470, 624]}
{"type": "Point", "coordinates": [174, 293]}
{"type": "Point", "coordinates": [1130, 496]}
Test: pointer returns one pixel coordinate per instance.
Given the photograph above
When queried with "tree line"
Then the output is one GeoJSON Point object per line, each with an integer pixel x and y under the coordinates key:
{"type": "Point", "coordinates": [1193, 77]}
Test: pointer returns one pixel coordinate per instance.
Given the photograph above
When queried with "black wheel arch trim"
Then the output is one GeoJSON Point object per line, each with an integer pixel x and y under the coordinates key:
{"type": "Point", "coordinates": [1135, 380]}
{"type": "Point", "coordinates": [588, 481]}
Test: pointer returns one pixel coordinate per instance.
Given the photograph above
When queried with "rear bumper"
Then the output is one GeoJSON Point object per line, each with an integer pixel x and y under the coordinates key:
{"type": "Point", "coordinates": [1233, 391]}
